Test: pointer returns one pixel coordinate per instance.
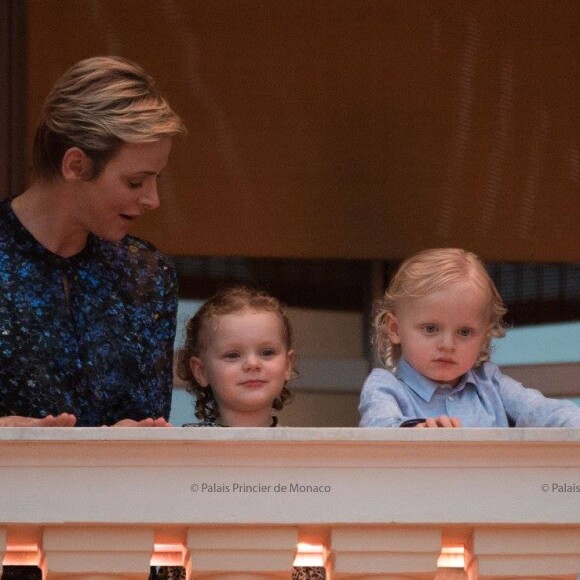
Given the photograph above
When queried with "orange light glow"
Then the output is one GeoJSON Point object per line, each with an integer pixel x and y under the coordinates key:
{"type": "Point", "coordinates": [22, 555]}
{"type": "Point", "coordinates": [452, 557]}
{"type": "Point", "coordinates": [310, 555]}
{"type": "Point", "coordinates": [168, 555]}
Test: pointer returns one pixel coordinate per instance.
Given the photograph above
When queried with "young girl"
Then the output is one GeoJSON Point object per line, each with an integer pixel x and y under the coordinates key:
{"type": "Point", "coordinates": [237, 358]}
{"type": "Point", "coordinates": [433, 332]}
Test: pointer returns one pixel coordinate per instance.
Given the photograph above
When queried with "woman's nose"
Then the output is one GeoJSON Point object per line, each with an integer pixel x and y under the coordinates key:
{"type": "Point", "coordinates": [150, 198]}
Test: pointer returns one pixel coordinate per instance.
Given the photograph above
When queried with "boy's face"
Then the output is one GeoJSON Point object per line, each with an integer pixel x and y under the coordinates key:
{"type": "Point", "coordinates": [442, 334]}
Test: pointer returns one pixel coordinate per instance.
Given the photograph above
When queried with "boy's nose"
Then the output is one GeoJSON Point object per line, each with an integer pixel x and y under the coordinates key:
{"type": "Point", "coordinates": [446, 342]}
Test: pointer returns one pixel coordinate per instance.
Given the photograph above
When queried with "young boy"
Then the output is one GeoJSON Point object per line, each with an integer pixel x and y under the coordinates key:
{"type": "Point", "coordinates": [433, 331]}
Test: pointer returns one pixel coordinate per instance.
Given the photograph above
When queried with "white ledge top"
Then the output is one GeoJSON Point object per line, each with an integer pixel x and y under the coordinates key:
{"type": "Point", "coordinates": [336, 435]}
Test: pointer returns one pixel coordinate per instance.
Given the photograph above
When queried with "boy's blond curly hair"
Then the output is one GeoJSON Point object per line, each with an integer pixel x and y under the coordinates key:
{"type": "Point", "coordinates": [428, 272]}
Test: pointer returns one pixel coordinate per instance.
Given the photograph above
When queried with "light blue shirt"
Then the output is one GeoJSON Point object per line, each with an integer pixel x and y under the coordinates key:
{"type": "Point", "coordinates": [483, 398]}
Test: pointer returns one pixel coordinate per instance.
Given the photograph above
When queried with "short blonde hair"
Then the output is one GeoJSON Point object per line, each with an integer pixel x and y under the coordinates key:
{"type": "Point", "coordinates": [227, 301]}
{"type": "Point", "coordinates": [428, 272]}
{"type": "Point", "coordinates": [98, 105]}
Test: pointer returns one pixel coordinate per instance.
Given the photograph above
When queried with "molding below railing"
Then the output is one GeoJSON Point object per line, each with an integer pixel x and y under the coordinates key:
{"type": "Point", "coordinates": [380, 499]}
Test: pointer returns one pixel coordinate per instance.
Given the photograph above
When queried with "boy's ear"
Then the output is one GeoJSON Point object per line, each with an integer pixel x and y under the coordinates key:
{"type": "Point", "coordinates": [392, 328]}
{"type": "Point", "coordinates": [76, 165]}
{"type": "Point", "coordinates": [289, 364]}
{"type": "Point", "coordinates": [198, 370]}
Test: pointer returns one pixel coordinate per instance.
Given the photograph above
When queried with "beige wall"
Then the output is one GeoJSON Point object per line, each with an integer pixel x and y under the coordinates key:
{"type": "Point", "coordinates": [311, 409]}
{"type": "Point", "coordinates": [332, 369]}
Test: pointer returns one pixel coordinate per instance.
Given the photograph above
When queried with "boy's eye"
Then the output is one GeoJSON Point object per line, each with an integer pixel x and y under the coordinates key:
{"type": "Point", "coordinates": [430, 328]}
{"type": "Point", "coordinates": [231, 355]}
{"type": "Point", "coordinates": [268, 352]}
{"type": "Point", "coordinates": [465, 332]}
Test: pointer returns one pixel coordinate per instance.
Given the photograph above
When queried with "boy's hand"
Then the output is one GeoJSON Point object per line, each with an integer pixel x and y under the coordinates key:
{"type": "Point", "coordinates": [443, 421]}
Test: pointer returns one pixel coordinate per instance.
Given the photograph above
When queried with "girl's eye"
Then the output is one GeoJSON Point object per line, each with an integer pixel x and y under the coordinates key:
{"type": "Point", "coordinates": [231, 355]}
{"type": "Point", "coordinates": [268, 352]}
{"type": "Point", "coordinates": [430, 328]}
{"type": "Point", "coordinates": [465, 332]}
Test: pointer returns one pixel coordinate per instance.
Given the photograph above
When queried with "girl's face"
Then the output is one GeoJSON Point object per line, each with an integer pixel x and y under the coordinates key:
{"type": "Point", "coordinates": [442, 334]}
{"type": "Point", "coordinates": [247, 363]}
{"type": "Point", "coordinates": [125, 189]}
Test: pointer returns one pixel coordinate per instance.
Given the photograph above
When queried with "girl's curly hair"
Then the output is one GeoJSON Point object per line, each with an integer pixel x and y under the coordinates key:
{"type": "Point", "coordinates": [428, 272]}
{"type": "Point", "coordinates": [226, 302]}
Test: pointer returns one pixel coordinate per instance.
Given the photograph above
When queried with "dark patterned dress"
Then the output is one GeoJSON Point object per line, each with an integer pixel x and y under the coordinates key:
{"type": "Point", "coordinates": [101, 350]}
{"type": "Point", "coordinates": [178, 572]}
{"type": "Point", "coordinates": [90, 335]}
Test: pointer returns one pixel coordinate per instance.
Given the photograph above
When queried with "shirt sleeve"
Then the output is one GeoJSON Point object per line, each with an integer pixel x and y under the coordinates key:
{"type": "Point", "coordinates": [529, 408]}
{"type": "Point", "coordinates": [381, 402]}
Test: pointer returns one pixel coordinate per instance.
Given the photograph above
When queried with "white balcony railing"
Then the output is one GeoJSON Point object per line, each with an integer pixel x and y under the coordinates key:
{"type": "Point", "coordinates": [234, 503]}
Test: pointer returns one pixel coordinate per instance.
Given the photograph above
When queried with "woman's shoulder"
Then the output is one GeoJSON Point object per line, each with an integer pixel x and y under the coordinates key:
{"type": "Point", "coordinates": [133, 248]}
{"type": "Point", "coordinates": [8, 224]}
{"type": "Point", "coordinates": [134, 255]}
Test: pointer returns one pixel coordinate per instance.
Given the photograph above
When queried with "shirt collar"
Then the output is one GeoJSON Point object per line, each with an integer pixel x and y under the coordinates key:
{"type": "Point", "coordinates": [425, 387]}
{"type": "Point", "coordinates": [29, 243]}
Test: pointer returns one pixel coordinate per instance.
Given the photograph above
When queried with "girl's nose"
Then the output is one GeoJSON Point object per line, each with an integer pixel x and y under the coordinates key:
{"type": "Point", "coordinates": [252, 361]}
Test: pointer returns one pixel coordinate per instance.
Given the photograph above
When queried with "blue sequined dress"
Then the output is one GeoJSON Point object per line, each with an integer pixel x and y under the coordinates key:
{"type": "Point", "coordinates": [91, 334]}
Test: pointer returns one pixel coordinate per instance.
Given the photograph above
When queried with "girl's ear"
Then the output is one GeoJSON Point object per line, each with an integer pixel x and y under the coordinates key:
{"type": "Point", "coordinates": [392, 328]}
{"type": "Point", "coordinates": [76, 165]}
{"type": "Point", "coordinates": [197, 368]}
{"type": "Point", "coordinates": [289, 364]}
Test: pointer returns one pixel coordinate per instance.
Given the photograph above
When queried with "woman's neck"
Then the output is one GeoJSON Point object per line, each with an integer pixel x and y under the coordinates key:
{"type": "Point", "coordinates": [43, 211]}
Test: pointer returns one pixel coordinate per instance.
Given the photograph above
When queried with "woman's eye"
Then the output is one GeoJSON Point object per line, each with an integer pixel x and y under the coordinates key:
{"type": "Point", "coordinates": [135, 184]}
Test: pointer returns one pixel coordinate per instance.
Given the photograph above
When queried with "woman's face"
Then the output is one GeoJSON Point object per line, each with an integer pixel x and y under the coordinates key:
{"type": "Point", "coordinates": [124, 190]}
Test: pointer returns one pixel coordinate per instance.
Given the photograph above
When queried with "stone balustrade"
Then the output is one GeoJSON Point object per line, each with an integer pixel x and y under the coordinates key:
{"type": "Point", "coordinates": [233, 504]}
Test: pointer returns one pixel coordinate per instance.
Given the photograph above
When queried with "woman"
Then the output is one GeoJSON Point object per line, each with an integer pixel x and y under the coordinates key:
{"type": "Point", "coordinates": [87, 312]}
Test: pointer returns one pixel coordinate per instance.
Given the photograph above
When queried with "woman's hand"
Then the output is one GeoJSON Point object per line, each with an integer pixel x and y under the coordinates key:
{"type": "Point", "coordinates": [443, 421]}
{"type": "Point", "coordinates": [62, 420]}
{"type": "Point", "coordinates": [149, 422]}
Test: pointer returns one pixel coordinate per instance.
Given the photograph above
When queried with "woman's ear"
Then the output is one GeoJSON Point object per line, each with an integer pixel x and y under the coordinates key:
{"type": "Point", "coordinates": [198, 370]}
{"type": "Point", "coordinates": [76, 165]}
{"type": "Point", "coordinates": [392, 328]}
